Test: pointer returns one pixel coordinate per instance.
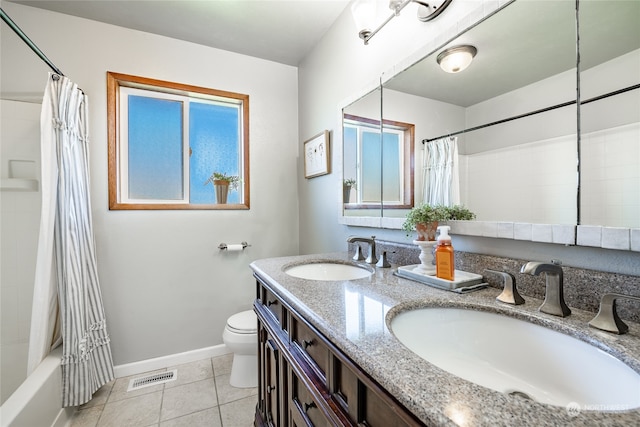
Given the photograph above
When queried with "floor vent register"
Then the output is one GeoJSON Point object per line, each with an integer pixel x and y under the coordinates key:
{"type": "Point", "coordinates": [149, 380]}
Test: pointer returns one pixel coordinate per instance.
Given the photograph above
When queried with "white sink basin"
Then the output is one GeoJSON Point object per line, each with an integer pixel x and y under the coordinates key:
{"type": "Point", "coordinates": [518, 357]}
{"type": "Point", "coordinates": [328, 271]}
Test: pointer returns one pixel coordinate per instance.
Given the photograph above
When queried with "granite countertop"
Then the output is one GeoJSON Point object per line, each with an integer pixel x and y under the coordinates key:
{"type": "Point", "coordinates": [354, 315]}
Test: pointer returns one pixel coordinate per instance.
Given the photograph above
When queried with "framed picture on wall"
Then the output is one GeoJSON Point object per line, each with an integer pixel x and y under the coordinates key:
{"type": "Point", "coordinates": [317, 155]}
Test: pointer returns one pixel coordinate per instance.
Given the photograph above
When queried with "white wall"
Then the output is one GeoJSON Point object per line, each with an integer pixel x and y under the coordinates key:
{"type": "Point", "coordinates": [166, 287]}
{"type": "Point", "coordinates": [338, 69]}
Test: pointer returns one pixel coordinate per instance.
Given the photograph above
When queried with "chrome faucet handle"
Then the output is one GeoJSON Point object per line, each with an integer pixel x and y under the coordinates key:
{"type": "Point", "coordinates": [358, 255]}
{"type": "Point", "coordinates": [382, 262]}
{"type": "Point", "coordinates": [554, 303]}
{"type": "Point", "coordinates": [509, 293]}
{"type": "Point", "coordinates": [607, 318]}
{"type": "Point", "coordinates": [371, 258]}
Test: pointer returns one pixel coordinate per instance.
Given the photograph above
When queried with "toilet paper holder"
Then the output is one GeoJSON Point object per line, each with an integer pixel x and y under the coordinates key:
{"type": "Point", "coordinates": [224, 246]}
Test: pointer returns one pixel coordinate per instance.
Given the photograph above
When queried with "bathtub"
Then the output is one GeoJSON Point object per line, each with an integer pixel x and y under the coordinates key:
{"type": "Point", "coordinates": [38, 400]}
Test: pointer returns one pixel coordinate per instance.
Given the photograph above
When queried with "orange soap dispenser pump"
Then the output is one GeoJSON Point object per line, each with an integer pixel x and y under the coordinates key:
{"type": "Point", "coordinates": [445, 265]}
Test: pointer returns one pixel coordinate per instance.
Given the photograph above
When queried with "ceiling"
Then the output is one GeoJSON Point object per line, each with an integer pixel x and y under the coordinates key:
{"type": "Point", "coordinates": [283, 31]}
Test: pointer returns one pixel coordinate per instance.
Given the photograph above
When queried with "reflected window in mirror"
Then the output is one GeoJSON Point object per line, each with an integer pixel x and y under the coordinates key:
{"type": "Point", "coordinates": [382, 167]}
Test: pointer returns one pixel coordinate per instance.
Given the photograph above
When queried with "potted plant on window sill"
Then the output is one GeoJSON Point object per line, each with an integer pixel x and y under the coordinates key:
{"type": "Point", "coordinates": [222, 183]}
{"type": "Point", "coordinates": [425, 219]}
{"type": "Point", "coordinates": [347, 185]}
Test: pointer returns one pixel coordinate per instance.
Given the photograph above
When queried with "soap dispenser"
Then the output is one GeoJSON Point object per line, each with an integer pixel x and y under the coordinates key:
{"type": "Point", "coordinates": [445, 265]}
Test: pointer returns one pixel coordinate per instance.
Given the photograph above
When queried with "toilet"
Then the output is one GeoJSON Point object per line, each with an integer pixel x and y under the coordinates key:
{"type": "Point", "coordinates": [241, 337]}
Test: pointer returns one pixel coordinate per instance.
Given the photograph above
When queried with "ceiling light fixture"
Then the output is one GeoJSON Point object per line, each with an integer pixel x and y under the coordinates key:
{"type": "Point", "coordinates": [364, 13]}
{"type": "Point", "coordinates": [457, 58]}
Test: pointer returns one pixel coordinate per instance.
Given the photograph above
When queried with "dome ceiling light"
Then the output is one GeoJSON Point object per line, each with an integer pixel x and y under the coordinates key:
{"type": "Point", "coordinates": [457, 58]}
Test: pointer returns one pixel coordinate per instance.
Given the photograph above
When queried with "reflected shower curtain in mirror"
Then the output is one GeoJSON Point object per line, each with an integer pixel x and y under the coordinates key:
{"type": "Point", "coordinates": [66, 253]}
{"type": "Point", "coordinates": [441, 182]}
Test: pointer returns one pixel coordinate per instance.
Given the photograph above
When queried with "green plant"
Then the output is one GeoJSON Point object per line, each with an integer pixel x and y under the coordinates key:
{"type": "Point", "coordinates": [350, 182]}
{"type": "Point", "coordinates": [460, 213]}
{"type": "Point", "coordinates": [429, 213]}
{"type": "Point", "coordinates": [233, 180]}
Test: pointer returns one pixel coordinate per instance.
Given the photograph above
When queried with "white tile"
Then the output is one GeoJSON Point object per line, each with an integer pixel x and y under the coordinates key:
{"type": "Point", "coordinates": [541, 233]}
{"type": "Point", "coordinates": [564, 234]}
{"type": "Point", "coordinates": [635, 239]}
{"type": "Point", "coordinates": [616, 238]}
{"type": "Point", "coordinates": [505, 230]}
{"type": "Point", "coordinates": [589, 235]}
{"type": "Point", "coordinates": [522, 231]}
{"type": "Point", "coordinates": [489, 229]}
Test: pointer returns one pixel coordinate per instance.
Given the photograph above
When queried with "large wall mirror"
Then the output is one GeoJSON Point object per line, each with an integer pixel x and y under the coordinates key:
{"type": "Point", "coordinates": [610, 124]}
{"type": "Point", "coordinates": [515, 116]}
{"type": "Point", "coordinates": [521, 170]}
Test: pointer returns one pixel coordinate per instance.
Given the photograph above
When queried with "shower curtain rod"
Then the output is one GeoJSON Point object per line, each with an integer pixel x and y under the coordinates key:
{"type": "Point", "coordinates": [28, 41]}
{"type": "Point", "coordinates": [542, 110]}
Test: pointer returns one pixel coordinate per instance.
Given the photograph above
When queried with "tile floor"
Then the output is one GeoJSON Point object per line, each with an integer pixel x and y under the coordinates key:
{"type": "Point", "coordinates": [200, 396]}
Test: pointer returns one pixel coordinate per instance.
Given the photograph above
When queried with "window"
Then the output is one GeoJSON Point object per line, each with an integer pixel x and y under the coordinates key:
{"type": "Point", "coordinates": [373, 161]}
{"type": "Point", "coordinates": [167, 139]}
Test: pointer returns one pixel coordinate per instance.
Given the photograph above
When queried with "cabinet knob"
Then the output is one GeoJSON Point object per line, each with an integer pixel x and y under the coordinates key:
{"type": "Point", "coordinates": [272, 302]}
{"type": "Point", "coordinates": [270, 388]}
{"type": "Point", "coordinates": [306, 343]}
{"type": "Point", "coordinates": [308, 406]}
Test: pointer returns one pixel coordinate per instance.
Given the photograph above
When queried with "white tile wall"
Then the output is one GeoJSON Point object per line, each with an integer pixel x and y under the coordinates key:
{"type": "Point", "coordinates": [19, 225]}
{"type": "Point", "coordinates": [610, 188]}
{"type": "Point", "coordinates": [506, 172]}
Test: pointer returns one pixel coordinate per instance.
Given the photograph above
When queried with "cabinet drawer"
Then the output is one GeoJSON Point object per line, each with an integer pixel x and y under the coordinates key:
{"type": "Point", "coordinates": [304, 410]}
{"type": "Point", "coordinates": [274, 305]}
{"type": "Point", "coordinates": [311, 345]}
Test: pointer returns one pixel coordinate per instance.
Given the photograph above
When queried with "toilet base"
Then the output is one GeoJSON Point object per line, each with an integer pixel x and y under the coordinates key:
{"type": "Point", "coordinates": [244, 371]}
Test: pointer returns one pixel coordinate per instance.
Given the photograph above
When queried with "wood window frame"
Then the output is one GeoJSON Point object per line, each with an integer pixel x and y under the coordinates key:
{"type": "Point", "coordinates": [408, 163]}
{"type": "Point", "coordinates": [114, 82]}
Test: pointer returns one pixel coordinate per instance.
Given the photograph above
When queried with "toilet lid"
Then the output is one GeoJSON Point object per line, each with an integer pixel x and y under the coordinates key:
{"type": "Point", "coordinates": [244, 322]}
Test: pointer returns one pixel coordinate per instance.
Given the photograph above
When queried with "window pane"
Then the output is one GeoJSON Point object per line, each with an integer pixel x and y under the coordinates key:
{"type": "Point", "coordinates": [370, 167]}
{"type": "Point", "coordinates": [350, 149]}
{"type": "Point", "coordinates": [215, 147]}
{"type": "Point", "coordinates": [391, 167]}
{"type": "Point", "coordinates": [155, 148]}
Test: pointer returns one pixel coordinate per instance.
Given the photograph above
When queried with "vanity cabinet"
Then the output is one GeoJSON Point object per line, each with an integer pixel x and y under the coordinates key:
{"type": "Point", "coordinates": [304, 380]}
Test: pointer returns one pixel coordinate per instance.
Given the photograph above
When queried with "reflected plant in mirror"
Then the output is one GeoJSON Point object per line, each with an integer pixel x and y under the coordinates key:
{"type": "Point", "coordinates": [424, 219]}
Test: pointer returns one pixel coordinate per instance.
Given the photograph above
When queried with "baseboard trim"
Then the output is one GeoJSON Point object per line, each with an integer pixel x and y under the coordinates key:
{"type": "Point", "coordinates": [156, 363]}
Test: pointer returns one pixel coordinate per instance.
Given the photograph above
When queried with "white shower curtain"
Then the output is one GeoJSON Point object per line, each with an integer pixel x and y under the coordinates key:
{"type": "Point", "coordinates": [66, 270]}
{"type": "Point", "coordinates": [441, 182]}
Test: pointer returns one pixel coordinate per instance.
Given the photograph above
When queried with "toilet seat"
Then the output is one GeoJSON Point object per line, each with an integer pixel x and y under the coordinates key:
{"type": "Point", "coordinates": [244, 322]}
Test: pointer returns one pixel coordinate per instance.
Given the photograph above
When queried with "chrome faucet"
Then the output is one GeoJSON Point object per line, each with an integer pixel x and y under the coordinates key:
{"type": "Point", "coordinates": [554, 295]}
{"type": "Point", "coordinates": [607, 318]}
{"type": "Point", "coordinates": [371, 258]}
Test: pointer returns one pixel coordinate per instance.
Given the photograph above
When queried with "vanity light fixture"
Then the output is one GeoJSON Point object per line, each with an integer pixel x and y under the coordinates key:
{"type": "Point", "coordinates": [457, 58]}
{"type": "Point", "coordinates": [364, 13]}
